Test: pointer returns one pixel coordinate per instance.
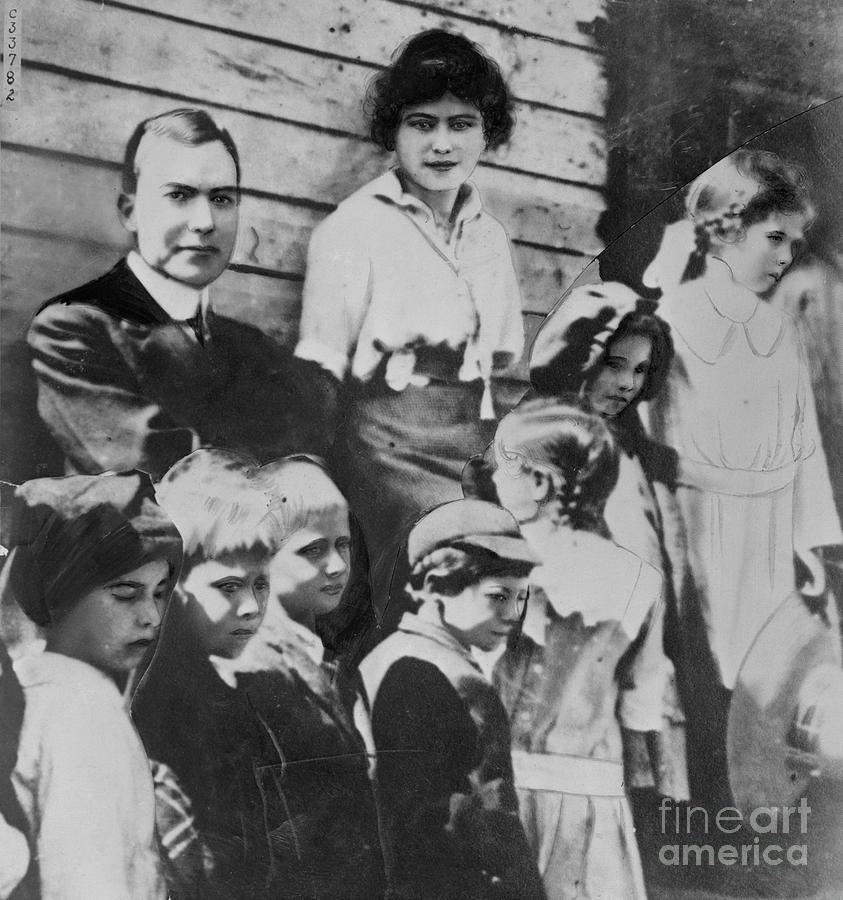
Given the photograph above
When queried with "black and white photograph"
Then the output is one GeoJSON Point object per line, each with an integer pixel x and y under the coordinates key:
{"type": "Point", "coordinates": [421, 450]}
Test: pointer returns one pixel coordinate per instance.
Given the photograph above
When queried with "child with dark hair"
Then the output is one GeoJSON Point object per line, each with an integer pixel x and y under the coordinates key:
{"type": "Point", "coordinates": [410, 297]}
{"type": "Point", "coordinates": [590, 652]}
{"type": "Point", "coordinates": [606, 345]}
{"type": "Point", "coordinates": [93, 560]}
{"type": "Point", "coordinates": [444, 774]}
{"type": "Point", "coordinates": [738, 409]}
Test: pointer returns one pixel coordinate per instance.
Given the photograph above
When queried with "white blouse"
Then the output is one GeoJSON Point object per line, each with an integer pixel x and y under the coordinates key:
{"type": "Point", "coordinates": [381, 281]}
{"type": "Point", "coordinates": [738, 406]}
{"type": "Point", "coordinates": [83, 781]}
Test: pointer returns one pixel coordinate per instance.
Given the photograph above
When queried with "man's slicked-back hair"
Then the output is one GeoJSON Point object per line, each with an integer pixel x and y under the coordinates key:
{"type": "Point", "coordinates": [187, 125]}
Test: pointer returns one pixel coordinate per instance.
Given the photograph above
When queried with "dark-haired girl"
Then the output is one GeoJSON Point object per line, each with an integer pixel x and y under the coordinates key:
{"type": "Point", "coordinates": [410, 295]}
{"type": "Point", "coordinates": [589, 651]}
{"type": "Point", "coordinates": [607, 346]}
{"type": "Point", "coordinates": [93, 562]}
{"type": "Point", "coordinates": [449, 813]}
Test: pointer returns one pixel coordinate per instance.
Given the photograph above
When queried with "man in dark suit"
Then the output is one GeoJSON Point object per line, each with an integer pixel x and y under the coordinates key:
{"type": "Point", "coordinates": [134, 369]}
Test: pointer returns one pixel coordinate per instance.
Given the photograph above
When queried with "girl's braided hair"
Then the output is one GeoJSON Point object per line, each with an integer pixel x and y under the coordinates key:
{"type": "Point", "coordinates": [573, 447]}
{"type": "Point", "coordinates": [745, 188]}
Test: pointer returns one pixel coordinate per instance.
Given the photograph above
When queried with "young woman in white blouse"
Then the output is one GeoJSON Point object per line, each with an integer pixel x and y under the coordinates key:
{"type": "Point", "coordinates": [410, 299]}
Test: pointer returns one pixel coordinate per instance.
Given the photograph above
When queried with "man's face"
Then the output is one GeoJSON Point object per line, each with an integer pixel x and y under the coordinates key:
{"type": "Point", "coordinates": [184, 210]}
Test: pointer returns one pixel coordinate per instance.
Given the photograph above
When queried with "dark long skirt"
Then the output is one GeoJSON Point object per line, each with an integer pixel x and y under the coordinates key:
{"type": "Point", "coordinates": [397, 455]}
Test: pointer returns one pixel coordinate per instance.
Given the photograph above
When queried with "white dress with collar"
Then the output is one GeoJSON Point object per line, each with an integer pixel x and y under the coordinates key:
{"type": "Point", "coordinates": [753, 483]}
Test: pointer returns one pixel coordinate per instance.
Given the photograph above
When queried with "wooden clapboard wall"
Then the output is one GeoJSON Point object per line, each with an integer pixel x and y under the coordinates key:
{"type": "Point", "coordinates": [287, 79]}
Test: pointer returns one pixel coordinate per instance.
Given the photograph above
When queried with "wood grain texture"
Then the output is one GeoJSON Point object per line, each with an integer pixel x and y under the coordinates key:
{"type": "Point", "coordinates": [573, 21]}
{"type": "Point", "coordinates": [359, 32]}
{"type": "Point", "coordinates": [288, 83]}
{"type": "Point", "coordinates": [210, 67]}
{"type": "Point", "coordinates": [288, 161]}
{"type": "Point", "coordinates": [537, 70]}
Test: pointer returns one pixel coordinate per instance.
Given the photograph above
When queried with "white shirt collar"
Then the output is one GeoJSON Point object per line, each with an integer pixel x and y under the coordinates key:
{"type": "Point", "coordinates": [179, 301]}
{"type": "Point", "coordinates": [706, 325]}
{"type": "Point", "coordinates": [389, 187]}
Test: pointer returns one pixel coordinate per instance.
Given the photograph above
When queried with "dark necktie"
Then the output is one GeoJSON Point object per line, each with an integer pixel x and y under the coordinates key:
{"type": "Point", "coordinates": [195, 323]}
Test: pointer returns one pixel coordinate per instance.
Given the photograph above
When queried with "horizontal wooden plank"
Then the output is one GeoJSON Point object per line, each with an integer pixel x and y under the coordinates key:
{"type": "Point", "coordinates": [545, 276]}
{"type": "Point", "coordinates": [563, 20]}
{"type": "Point", "coordinates": [555, 145]}
{"type": "Point", "coordinates": [272, 304]}
{"type": "Point", "coordinates": [537, 70]}
{"type": "Point", "coordinates": [306, 165]}
{"type": "Point", "coordinates": [66, 198]}
{"type": "Point", "coordinates": [37, 268]}
{"type": "Point", "coordinates": [358, 30]}
{"type": "Point", "coordinates": [252, 76]}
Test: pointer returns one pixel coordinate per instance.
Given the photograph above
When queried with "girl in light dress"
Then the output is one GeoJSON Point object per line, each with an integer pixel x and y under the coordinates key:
{"type": "Point", "coordinates": [411, 303]}
{"type": "Point", "coordinates": [607, 345]}
{"type": "Point", "coordinates": [590, 650]}
{"type": "Point", "coordinates": [93, 560]}
{"type": "Point", "coordinates": [738, 409]}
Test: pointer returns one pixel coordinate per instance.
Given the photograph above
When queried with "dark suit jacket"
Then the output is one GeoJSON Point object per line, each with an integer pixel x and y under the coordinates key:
{"type": "Point", "coordinates": [121, 385]}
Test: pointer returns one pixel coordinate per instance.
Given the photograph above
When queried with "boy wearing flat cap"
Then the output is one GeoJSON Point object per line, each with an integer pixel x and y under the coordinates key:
{"type": "Point", "coordinates": [449, 810]}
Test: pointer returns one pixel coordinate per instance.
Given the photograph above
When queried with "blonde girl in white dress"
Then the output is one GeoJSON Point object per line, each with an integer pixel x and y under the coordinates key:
{"type": "Point", "coordinates": [739, 410]}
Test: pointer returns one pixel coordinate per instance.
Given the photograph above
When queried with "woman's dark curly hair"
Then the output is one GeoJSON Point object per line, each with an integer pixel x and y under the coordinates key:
{"type": "Point", "coordinates": [426, 67]}
{"type": "Point", "coordinates": [648, 325]}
